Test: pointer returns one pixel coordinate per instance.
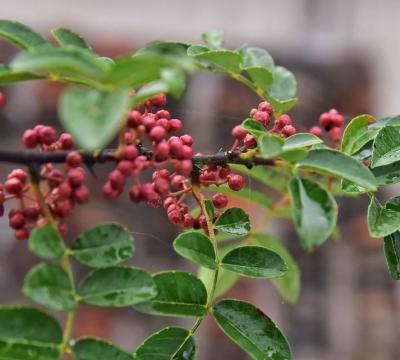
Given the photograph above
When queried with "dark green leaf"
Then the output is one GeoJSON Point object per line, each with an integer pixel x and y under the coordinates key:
{"type": "Point", "coordinates": [252, 330]}
{"type": "Point", "coordinates": [178, 294]}
{"type": "Point", "coordinates": [169, 343]}
{"type": "Point", "coordinates": [28, 334]}
{"type": "Point", "coordinates": [338, 164]}
{"type": "Point", "coordinates": [284, 85]}
{"type": "Point", "coordinates": [253, 56]}
{"type": "Point", "coordinates": [103, 245]}
{"type": "Point", "coordinates": [93, 117]}
{"type": "Point", "coordinates": [117, 286]}
{"type": "Point", "coordinates": [210, 208]}
{"type": "Point", "coordinates": [213, 39]}
{"type": "Point", "coordinates": [288, 285]}
{"type": "Point", "coordinates": [389, 174]}
{"type": "Point", "coordinates": [226, 59]}
{"type": "Point", "coordinates": [21, 35]}
{"type": "Point", "coordinates": [67, 37]}
{"type": "Point", "coordinates": [314, 212]}
{"type": "Point", "coordinates": [97, 349]}
{"type": "Point", "coordinates": [300, 140]}
{"type": "Point", "coordinates": [45, 241]}
{"type": "Point", "coordinates": [255, 261]}
{"type": "Point", "coordinates": [357, 134]}
{"type": "Point", "coordinates": [9, 75]}
{"type": "Point", "coordinates": [233, 221]}
{"type": "Point", "coordinates": [49, 285]}
{"type": "Point", "coordinates": [197, 247]}
{"type": "Point", "coordinates": [386, 148]}
{"type": "Point", "coordinates": [67, 61]}
{"type": "Point", "coordinates": [382, 221]}
{"type": "Point", "coordinates": [392, 254]}
{"type": "Point", "coordinates": [389, 120]}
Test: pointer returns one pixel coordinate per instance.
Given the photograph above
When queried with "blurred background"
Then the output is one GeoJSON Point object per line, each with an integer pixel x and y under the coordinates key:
{"type": "Point", "coordinates": [344, 53]}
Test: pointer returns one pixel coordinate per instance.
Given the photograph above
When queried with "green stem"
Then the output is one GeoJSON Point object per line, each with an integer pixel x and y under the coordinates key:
{"type": "Point", "coordinates": [210, 229]}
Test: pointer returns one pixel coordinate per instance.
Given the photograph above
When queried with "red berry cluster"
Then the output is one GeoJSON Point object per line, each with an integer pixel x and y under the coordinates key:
{"type": "Point", "coordinates": [332, 122]}
{"type": "Point", "coordinates": [59, 189]}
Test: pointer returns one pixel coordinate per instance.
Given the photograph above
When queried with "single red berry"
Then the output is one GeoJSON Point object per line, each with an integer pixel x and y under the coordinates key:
{"type": "Point", "coordinates": [134, 119]}
{"type": "Point", "coordinates": [29, 139]}
{"type": "Point", "coordinates": [62, 208]}
{"type": "Point", "coordinates": [76, 177]}
{"type": "Point", "coordinates": [20, 174]}
{"type": "Point", "coordinates": [22, 234]}
{"type": "Point", "coordinates": [130, 152]}
{"type": "Point", "coordinates": [283, 121]}
{"type": "Point", "coordinates": [17, 221]}
{"type": "Point", "coordinates": [55, 177]}
{"type": "Point", "coordinates": [81, 194]}
{"type": "Point", "coordinates": [263, 117]}
{"type": "Point", "coordinates": [117, 180]}
{"type": "Point", "coordinates": [266, 106]}
{"type": "Point", "coordinates": [149, 121]}
{"type": "Point", "coordinates": [162, 149]}
{"type": "Point", "coordinates": [187, 140]}
{"type": "Point", "coordinates": [157, 133]}
{"type": "Point", "coordinates": [163, 114]}
{"type": "Point", "coordinates": [250, 141]}
{"type": "Point", "coordinates": [186, 152]}
{"type": "Point", "coordinates": [161, 185]}
{"type": "Point", "coordinates": [176, 217]}
{"type": "Point", "coordinates": [47, 135]}
{"type": "Point", "coordinates": [220, 200]}
{"type": "Point", "coordinates": [236, 182]}
{"type": "Point", "coordinates": [66, 141]}
{"type": "Point", "coordinates": [158, 100]}
{"type": "Point", "coordinates": [175, 125]}
{"type": "Point", "coordinates": [208, 176]}
{"type": "Point", "coordinates": [2, 100]}
{"type": "Point", "coordinates": [32, 212]}
{"type": "Point", "coordinates": [164, 123]}
{"type": "Point", "coordinates": [109, 192]}
{"type": "Point", "coordinates": [288, 130]}
{"type": "Point", "coordinates": [168, 201]}
{"type": "Point", "coordinates": [73, 159]}
{"type": "Point", "coordinates": [184, 167]}
{"type": "Point", "coordinates": [135, 193]}
{"type": "Point", "coordinates": [238, 132]}
{"type": "Point", "coordinates": [325, 120]}
{"type": "Point", "coordinates": [224, 171]}
{"type": "Point", "coordinates": [177, 181]}
{"type": "Point", "coordinates": [335, 134]}
{"type": "Point", "coordinates": [188, 221]}
{"type": "Point", "coordinates": [125, 167]}
{"type": "Point", "coordinates": [14, 186]}
{"type": "Point", "coordinates": [337, 120]}
{"type": "Point", "coordinates": [147, 192]}
{"type": "Point", "coordinates": [164, 173]}
{"type": "Point", "coordinates": [175, 145]}
{"type": "Point", "coordinates": [316, 130]}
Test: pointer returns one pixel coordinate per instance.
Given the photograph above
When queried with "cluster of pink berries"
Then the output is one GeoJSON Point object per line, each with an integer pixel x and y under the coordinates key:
{"type": "Point", "coordinates": [59, 189]}
{"type": "Point", "coordinates": [332, 122]}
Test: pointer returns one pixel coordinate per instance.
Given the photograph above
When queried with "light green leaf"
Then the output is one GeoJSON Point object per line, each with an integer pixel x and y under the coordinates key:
{"type": "Point", "coordinates": [21, 35]}
{"type": "Point", "coordinates": [357, 134]}
{"type": "Point", "coordinates": [300, 140]}
{"type": "Point", "coordinates": [314, 212]}
{"type": "Point", "coordinates": [260, 76]}
{"type": "Point", "coordinates": [270, 145]}
{"type": "Point", "coordinates": [68, 37]}
{"type": "Point", "coordinates": [28, 334]}
{"type": "Point", "coordinates": [392, 254]}
{"type": "Point", "coordinates": [288, 285]}
{"type": "Point", "coordinates": [233, 221]}
{"type": "Point", "coordinates": [49, 285]}
{"type": "Point", "coordinates": [103, 245]}
{"type": "Point", "coordinates": [341, 165]}
{"type": "Point", "coordinates": [178, 294]}
{"type": "Point", "coordinates": [45, 241]}
{"type": "Point", "coordinates": [388, 174]}
{"type": "Point", "coordinates": [97, 349]}
{"type": "Point", "coordinates": [93, 117]}
{"type": "Point", "coordinates": [213, 39]}
{"type": "Point", "coordinates": [226, 59]}
{"type": "Point", "coordinates": [167, 344]}
{"type": "Point", "coordinates": [254, 261]}
{"type": "Point", "coordinates": [117, 286]}
{"type": "Point", "coordinates": [9, 75]}
{"type": "Point", "coordinates": [197, 247]}
{"type": "Point", "coordinates": [284, 85]}
{"type": "Point", "coordinates": [386, 148]}
{"type": "Point", "coordinates": [253, 56]}
{"type": "Point", "coordinates": [382, 221]}
{"type": "Point", "coordinates": [281, 106]}
{"type": "Point", "coordinates": [251, 330]}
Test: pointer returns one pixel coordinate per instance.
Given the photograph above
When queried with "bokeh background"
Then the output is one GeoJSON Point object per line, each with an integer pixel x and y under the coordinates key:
{"type": "Point", "coordinates": [344, 53]}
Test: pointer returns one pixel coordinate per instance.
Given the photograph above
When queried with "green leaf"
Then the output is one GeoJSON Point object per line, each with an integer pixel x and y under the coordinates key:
{"type": "Point", "coordinates": [213, 39]}
{"type": "Point", "coordinates": [357, 134]}
{"type": "Point", "coordinates": [281, 106]}
{"type": "Point", "coordinates": [382, 221]}
{"type": "Point", "coordinates": [178, 294]}
{"type": "Point", "coordinates": [67, 61]}
{"type": "Point", "coordinates": [314, 212]}
{"type": "Point", "coordinates": [226, 59]}
{"type": "Point", "coordinates": [21, 35]}
{"type": "Point", "coordinates": [117, 286]}
{"type": "Point", "coordinates": [93, 117]}
{"type": "Point", "coordinates": [386, 148]}
{"type": "Point", "coordinates": [392, 254]}
{"type": "Point", "coordinates": [253, 56]}
{"type": "Point", "coordinates": [210, 208]}
{"type": "Point", "coordinates": [169, 343]}
{"type": "Point", "coordinates": [197, 247]}
{"type": "Point", "coordinates": [288, 285]}
{"type": "Point", "coordinates": [255, 261]}
{"type": "Point", "coordinates": [341, 165]}
{"type": "Point", "coordinates": [9, 75]}
{"type": "Point", "coordinates": [49, 285]}
{"type": "Point", "coordinates": [251, 330]}
{"type": "Point", "coordinates": [284, 85]}
{"type": "Point", "coordinates": [254, 127]}
{"type": "Point", "coordinates": [96, 349]}
{"type": "Point", "coordinates": [175, 80]}
{"type": "Point", "coordinates": [28, 334]}
{"type": "Point", "coordinates": [233, 221]}
{"type": "Point", "coordinates": [226, 279]}
{"type": "Point", "coordinates": [67, 37]}
{"type": "Point", "coordinates": [300, 140]}
{"type": "Point", "coordinates": [270, 145]}
{"type": "Point", "coordinates": [388, 174]}
{"type": "Point", "coordinates": [45, 241]}
{"type": "Point", "coordinates": [103, 245]}
{"type": "Point", "coordinates": [260, 76]}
